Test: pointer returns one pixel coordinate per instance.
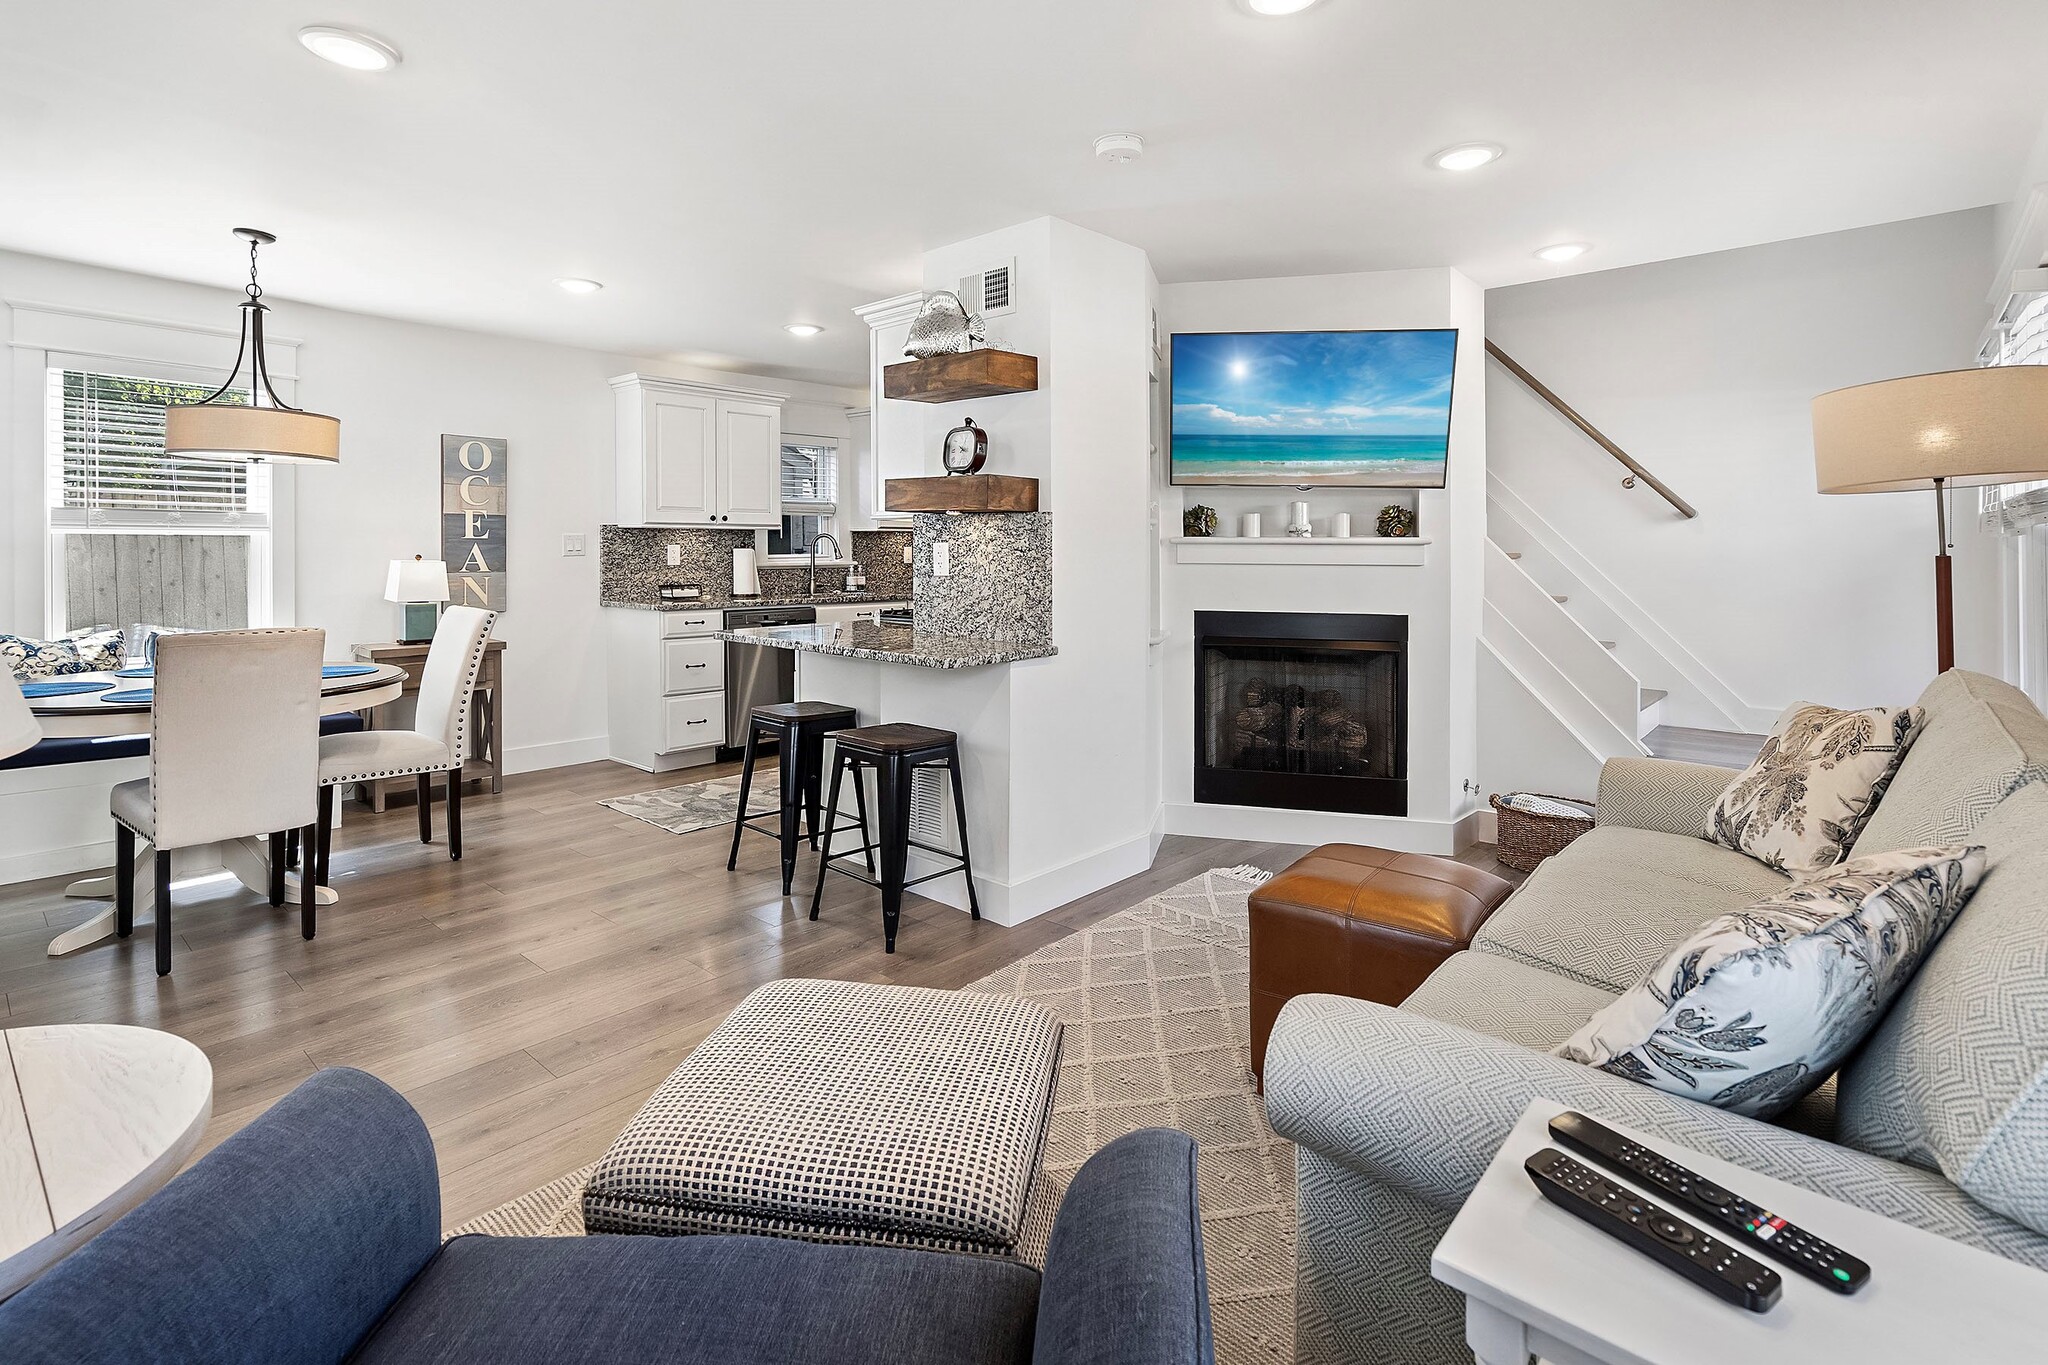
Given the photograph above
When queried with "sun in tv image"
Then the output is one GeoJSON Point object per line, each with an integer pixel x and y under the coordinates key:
{"type": "Point", "coordinates": [1335, 409]}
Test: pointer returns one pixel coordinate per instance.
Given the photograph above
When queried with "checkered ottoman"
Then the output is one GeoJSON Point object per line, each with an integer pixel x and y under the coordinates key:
{"type": "Point", "coordinates": [839, 1111]}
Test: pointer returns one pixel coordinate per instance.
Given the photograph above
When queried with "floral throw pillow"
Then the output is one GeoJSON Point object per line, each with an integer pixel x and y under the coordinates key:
{"type": "Point", "coordinates": [86, 652]}
{"type": "Point", "coordinates": [1760, 1006]}
{"type": "Point", "coordinates": [1800, 806]}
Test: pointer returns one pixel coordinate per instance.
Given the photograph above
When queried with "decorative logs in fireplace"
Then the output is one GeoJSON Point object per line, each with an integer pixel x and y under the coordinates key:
{"type": "Point", "coordinates": [1290, 728]}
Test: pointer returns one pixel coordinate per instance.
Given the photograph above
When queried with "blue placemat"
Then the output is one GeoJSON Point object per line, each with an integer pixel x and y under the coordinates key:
{"type": "Point", "coordinates": [61, 688]}
{"type": "Point", "coordinates": [133, 696]}
{"type": "Point", "coordinates": [347, 670]}
{"type": "Point", "coordinates": [135, 672]}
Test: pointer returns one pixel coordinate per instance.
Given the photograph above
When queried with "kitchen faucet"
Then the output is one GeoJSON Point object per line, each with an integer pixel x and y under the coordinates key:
{"type": "Point", "coordinates": [837, 553]}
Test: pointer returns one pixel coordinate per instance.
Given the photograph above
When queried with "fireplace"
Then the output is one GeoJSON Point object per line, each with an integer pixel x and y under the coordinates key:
{"type": "Point", "coordinates": [1303, 711]}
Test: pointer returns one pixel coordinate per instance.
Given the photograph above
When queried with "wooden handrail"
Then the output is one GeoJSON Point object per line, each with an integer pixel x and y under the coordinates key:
{"type": "Point", "coordinates": [1636, 471]}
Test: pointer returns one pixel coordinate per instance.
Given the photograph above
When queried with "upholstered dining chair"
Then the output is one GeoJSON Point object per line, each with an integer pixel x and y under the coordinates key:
{"type": "Point", "coordinates": [437, 743]}
{"type": "Point", "coordinates": [234, 747]}
{"type": "Point", "coordinates": [19, 729]}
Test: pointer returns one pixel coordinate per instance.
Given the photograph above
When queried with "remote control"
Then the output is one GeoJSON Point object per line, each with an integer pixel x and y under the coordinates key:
{"type": "Point", "coordinates": [1749, 1226]}
{"type": "Point", "coordinates": [1626, 1216]}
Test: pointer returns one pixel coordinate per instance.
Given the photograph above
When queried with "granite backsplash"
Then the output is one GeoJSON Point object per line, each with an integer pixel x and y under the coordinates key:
{"type": "Point", "coordinates": [1000, 586]}
{"type": "Point", "coordinates": [633, 564]}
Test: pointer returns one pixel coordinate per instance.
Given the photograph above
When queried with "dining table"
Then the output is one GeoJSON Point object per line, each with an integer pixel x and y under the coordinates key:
{"type": "Point", "coordinates": [110, 704]}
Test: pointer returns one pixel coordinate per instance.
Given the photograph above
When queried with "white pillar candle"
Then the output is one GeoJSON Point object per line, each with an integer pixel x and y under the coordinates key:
{"type": "Point", "coordinates": [1250, 526]}
{"type": "Point", "coordinates": [1340, 526]}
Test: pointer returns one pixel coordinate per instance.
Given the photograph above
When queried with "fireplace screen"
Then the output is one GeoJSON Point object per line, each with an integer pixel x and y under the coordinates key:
{"type": "Point", "coordinates": [1320, 708]}
{"type": "Point", "coordinates": [1301, 711]}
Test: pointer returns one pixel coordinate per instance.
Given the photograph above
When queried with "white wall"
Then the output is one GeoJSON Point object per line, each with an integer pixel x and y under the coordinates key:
{"type": "Point", "coordinates": [1704, 370]}
{"type": "Point", "coordinates": [397, 386]}
{"type": "Point", "coordinates": [1441, 597]}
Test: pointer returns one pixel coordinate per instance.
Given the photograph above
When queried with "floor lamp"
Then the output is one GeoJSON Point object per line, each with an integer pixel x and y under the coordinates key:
{"type": "Point", "coordinates": [1957, 429]}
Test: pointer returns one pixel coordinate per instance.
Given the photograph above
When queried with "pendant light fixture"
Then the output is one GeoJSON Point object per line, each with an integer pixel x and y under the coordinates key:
{"type": "Point", "coordinates": [267, 428]}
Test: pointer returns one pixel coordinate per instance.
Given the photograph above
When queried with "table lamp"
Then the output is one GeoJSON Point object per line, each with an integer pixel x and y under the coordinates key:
{"type": "Point", "coordinates": [19, 729]}
{"type": "Point", "coordinates": [1956, 429]}
{"type": "Point", "coordinates": [420, 585]}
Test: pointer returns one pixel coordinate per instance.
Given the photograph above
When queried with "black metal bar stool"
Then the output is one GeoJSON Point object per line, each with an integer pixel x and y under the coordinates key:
{"type": "Point", "coordinates": [895, 752]}
{"type": "Point", "coordinates": [799, 729]}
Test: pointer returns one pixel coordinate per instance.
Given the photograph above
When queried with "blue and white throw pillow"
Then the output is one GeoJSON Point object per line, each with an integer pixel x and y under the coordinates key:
{"type": "Point", "coordinates": [1759, 1006]}
{"type": "Point", "coordinates": [89, 651]}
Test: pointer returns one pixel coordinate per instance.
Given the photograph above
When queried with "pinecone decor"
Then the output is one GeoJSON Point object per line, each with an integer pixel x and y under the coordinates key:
{"type": "Point", "coordinates": [1396, 521]}
{"type": "Point", "coordinates": [1199, 520]}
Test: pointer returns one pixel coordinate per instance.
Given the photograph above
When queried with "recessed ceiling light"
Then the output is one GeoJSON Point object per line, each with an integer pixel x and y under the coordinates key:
{"type": "Point", "coordinates": [1278, 9]}
{"type": "Point", "coordinates": [1467, 156]}
{"type": "Point", "coordinates": [1561, 252]}
{"type": "Point", "coordinates": [347, 47]}
{"type": "Point", "coordinates": [576, 286]}
{"type": "Point", "coordinates": [803, 329]}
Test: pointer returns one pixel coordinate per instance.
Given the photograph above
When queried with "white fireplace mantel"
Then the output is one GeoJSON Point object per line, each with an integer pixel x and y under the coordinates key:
{"type": "Point", "coordinates": [1403, 551]}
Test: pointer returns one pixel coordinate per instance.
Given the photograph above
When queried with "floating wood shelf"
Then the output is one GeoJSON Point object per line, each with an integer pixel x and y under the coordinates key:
{"type": "Point", "coordinates": [962, 493]}
{"type": "Point", "coordinates": [951, 378]}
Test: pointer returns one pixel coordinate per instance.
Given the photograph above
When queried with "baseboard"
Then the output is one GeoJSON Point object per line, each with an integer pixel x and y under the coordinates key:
{"type": "Point", "coordinates": [532, 758]}
{"type": "Point", "coordinates": [1012, 903]}
{"type": "Point", "coordinates": [57, 862]}
{"type": "Point", "coordinates": [1483, 826]}
{"type": "Point", "coordinates": [1401, 833]}
{"type": "Point", "coordinates": [1158, 834]}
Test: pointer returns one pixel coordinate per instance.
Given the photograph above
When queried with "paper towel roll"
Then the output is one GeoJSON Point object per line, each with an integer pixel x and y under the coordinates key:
{"type": "Point", "coordinates": [746, 573]}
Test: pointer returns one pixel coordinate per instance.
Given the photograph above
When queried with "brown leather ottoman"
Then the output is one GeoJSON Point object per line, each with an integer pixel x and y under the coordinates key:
{"type": "Point", "coordinates": [1364, 922]}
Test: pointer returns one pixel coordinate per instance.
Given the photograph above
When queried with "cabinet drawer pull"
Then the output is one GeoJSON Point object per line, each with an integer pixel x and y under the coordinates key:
{"type": "Point", "coordinates": [697, 722]}
{"type": "Point", "coordinates": [696, 665]}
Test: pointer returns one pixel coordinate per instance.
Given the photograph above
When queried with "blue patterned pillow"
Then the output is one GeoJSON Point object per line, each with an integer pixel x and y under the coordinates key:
{"type": "Point", "coordinates": [1759, 1006]}
{"type": "Point", "coordinates": [85, 652]}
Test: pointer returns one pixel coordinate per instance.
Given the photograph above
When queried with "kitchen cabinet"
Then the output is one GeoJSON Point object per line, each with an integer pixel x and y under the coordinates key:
{"type": "Point", "coordinates": [665, 687]}
{"type": "Point", "coordinates": [896, 427]}
{"type": "Point", "coordinates": [696, 454]}
{"type": "Point", "coordinates": [871, 612]}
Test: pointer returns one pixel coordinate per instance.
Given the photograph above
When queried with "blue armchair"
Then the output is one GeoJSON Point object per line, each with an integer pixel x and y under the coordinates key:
{"type": "Point", "coordinates": [313, 1236]}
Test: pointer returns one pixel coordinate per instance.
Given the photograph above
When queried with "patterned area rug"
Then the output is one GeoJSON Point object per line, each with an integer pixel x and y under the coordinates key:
{"type": "Point", "coordinates": [1156, 1003]}
{"type": "Point", "coordinates": [697, 805]}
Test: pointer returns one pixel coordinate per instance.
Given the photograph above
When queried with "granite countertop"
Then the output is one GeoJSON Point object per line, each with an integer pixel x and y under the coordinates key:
{"type": "Point", "coordinates": [725, 601]}
{"type": "Point", "coordinates": [890, 644]}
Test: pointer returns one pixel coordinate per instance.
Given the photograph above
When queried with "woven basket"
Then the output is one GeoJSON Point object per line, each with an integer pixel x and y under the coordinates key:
{"type": "Point", "coordinates": [1524, 838]}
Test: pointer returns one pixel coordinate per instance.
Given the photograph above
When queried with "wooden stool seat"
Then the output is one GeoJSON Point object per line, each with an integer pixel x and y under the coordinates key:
{"type": "Point", "coordinates": [784, 712]}
{"type": "Point", "coordinates": [896, 738]}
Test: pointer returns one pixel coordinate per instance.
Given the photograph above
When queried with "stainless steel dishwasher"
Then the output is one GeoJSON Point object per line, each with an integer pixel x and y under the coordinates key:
{"type": "Point", "coordinates": [757, 675]}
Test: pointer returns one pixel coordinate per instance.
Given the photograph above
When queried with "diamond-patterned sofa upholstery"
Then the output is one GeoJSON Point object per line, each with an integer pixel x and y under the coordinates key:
{"type": "Point", "coordinates": [1943, 1116]}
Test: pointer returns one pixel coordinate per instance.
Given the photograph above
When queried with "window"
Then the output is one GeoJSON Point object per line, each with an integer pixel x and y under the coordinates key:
{"type": "Point", "coordinates": [2018, 513]}
{"type": "Point", "coordinates": [810, 499]}
{"type": "Point", "coordinates": [138, 537]}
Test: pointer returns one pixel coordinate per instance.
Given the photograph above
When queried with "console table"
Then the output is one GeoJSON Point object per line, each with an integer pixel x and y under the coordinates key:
{"type": "Point", "coordinates": [1537, 1281]}
{"type": "Point", "coordinates": [485, 758]}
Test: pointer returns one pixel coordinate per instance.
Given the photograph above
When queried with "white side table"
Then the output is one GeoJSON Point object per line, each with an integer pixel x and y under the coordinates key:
{"type": "Point", "coordinates": [93, 1119]}
{"type": "Point", "coordinates": [1537, 1281]}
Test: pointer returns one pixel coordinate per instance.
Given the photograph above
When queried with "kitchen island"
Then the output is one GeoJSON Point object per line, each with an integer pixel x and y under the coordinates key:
{"type": "Point", "coordinates": [951, 682]}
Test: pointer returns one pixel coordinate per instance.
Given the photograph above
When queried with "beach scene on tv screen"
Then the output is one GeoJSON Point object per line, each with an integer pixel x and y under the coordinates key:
{"type": "Point", "coordinates": [1348, 409]}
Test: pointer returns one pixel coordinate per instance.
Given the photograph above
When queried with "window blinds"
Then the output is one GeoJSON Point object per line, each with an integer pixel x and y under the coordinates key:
{"type": "Point", "coordinates": [810, 476]}
{"type": "Point", "coordinates": [2015, 508]}
{"type": "Point", "coordinates": [108, 460]}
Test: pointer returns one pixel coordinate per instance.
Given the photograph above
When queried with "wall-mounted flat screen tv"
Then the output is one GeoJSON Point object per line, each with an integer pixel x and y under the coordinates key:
{"type": "Point", "coordinates": [1317, 409]}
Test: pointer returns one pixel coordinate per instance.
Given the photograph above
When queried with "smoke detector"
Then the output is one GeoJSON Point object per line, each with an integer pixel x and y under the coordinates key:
{"type": "Point", "coordinates": [1119, 148]}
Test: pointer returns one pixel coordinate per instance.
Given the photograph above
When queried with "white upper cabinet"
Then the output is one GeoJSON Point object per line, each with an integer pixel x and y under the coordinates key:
{"type": "Point", "coordinates": [896, 434]}
{"type": "Point", "coordinates": [696, 454]}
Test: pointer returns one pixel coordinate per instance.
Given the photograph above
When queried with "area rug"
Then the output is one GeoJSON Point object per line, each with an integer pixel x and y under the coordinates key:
{"type": "Point", "coordinates": [1156, 1004]}
{"type": "Point", "coordinates": [696, 805]}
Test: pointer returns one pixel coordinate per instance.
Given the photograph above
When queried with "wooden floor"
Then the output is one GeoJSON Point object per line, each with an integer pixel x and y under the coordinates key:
{"type": "Point", "coordinates": [528, 998]}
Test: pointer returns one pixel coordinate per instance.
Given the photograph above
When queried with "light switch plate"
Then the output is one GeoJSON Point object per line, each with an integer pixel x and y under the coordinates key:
{"type": "Point", "coordinates": [675, 556]}
{"type": "Point", "coordinates": [942, 559]}
{"type": "Point", "coordinates": [909, 555]}
{"type": "Point", "coordinates": [572, 545]}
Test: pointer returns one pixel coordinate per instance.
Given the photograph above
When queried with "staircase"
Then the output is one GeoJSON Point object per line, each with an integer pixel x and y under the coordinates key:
{"type": "Point", "coordinates": [1592, 655]}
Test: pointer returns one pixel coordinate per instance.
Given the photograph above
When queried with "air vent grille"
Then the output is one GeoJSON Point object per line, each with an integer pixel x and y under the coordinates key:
{"type": "Point", "coordinates": [928, 806]}
{"type": "Point", "coordinates": [991, 290]}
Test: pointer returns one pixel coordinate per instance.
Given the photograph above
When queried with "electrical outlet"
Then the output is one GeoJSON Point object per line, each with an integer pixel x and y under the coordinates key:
{"type": "Point", "coordinates": [675, 556]}
{"type": "Point", "coordinates": [572, 545]}
{"type": "Point", "coordinates": [942, 559]}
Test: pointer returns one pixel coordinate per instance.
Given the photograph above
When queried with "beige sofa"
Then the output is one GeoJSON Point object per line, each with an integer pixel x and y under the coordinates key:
{"type": "Point", "coordinates": [1940, 1120]}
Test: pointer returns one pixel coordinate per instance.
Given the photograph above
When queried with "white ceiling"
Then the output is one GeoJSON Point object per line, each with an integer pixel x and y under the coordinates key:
{"type": "Point", "coordinates": [728, 168]}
